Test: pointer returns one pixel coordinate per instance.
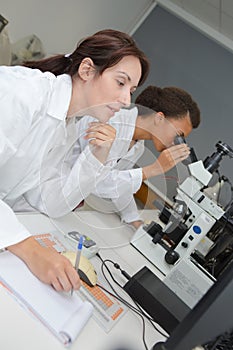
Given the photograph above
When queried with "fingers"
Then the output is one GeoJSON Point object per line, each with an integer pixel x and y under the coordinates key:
{"type": "Point", "coordinates": [68, 279]}
{"type": "Point", "coordinates": [100, 136]}
{"type": "Point", "coordinates": [178, 152]}
{"type": "Point", "coordinates": [74, 278]}
{"type": "Point", "coordinates": [65, 277]}
{"type": "Point", "coordinates": [179, 148]}
{"type": "Point", "coordinates": [104, 132]}
{"type": "Point", "coordinates": [93, 125]}
{"type": "Point", "coordinates": [57, 285]}
{"type": "Point", "coordinates": [100, 127]}
{"type": "Point", "coordinates": [172, 156]}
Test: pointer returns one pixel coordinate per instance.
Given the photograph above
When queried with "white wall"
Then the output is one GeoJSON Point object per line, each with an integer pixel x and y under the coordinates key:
{"type": "Point", "coordinates": [61, 24]}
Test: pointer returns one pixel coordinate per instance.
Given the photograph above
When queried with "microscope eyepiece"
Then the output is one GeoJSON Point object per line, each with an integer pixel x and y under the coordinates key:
{"type": "Point", "coordinates": [192, 158]}
{"type": "Point", "coordinates": [212, 163]}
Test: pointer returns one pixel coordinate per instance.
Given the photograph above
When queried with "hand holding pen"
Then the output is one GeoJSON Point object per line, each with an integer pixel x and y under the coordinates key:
{"type": "Point", "coordinates": [78, 255]}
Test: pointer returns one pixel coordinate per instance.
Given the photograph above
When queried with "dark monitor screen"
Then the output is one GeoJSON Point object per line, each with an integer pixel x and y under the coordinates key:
{"type": "Point", "coordinates": [212, 316]}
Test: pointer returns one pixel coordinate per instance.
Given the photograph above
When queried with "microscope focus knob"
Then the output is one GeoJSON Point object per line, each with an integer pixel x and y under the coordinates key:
{"type": "Point", "coordinates": [184, 244]}
{"type": "Point", "coordinates": [171, 257]}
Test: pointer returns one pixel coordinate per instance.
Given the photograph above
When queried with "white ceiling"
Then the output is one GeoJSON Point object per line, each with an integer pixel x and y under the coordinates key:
{"type": "Point", "coordinates": [218, 14]}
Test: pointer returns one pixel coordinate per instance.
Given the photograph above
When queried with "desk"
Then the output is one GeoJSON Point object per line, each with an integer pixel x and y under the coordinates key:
{"type": "Point", "coordinates": [19, 330]}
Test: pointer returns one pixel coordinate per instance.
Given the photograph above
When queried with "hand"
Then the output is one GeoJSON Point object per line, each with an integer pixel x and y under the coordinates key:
{"type": "Point", "coordinates": [136, 224]}
{"type": "Point", "coordinates": [167, 160]}
{"type": "Point", "coordinates": [47, 265]}
{"type": "Point", "coordinates": [101, 137]}
{"type": "Point", "coordinates": [172, 156]}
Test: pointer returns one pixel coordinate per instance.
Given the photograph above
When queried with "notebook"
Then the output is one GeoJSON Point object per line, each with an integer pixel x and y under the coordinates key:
{"type": "Point", "coordinates": [64, 315]}
{"type": "Point", "coordinates": [107, 309]}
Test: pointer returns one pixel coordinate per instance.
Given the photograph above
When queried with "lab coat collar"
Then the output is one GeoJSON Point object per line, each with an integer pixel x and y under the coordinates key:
{"type": "Point", "coordinates": [60, 97]}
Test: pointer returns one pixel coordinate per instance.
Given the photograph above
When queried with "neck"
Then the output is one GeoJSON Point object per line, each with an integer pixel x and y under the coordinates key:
{"type": "Point", "coordinates": [142, 128]}
{"type": "Point", "coordinates": [77, 106]}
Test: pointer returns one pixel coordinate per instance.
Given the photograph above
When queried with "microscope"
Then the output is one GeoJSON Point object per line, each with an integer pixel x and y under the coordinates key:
{"type": "Point", "coordinates": [191, 241]}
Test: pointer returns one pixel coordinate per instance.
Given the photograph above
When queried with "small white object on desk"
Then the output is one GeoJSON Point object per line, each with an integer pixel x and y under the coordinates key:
{"type": "Point", "coordinates": [89, 247]}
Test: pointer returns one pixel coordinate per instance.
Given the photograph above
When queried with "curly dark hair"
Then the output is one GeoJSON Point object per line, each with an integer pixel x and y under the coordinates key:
{"type": "Point", "coordinates": [172, 101]}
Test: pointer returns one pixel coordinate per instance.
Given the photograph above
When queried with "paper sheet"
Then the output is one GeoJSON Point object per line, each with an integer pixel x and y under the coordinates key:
{"type": "Point", "coordinates": [63, 314]}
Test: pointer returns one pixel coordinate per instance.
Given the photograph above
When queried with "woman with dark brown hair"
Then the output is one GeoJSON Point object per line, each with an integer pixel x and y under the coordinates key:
{"type": "Point", "coordinates": [38, 104]}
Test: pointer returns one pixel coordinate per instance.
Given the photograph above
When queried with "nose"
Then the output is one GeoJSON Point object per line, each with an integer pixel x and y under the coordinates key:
{"type": "Point", "coordinates": [125, 98]}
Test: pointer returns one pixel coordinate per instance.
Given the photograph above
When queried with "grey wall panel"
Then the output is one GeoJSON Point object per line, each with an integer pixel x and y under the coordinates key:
{"type": "Point", "coordinates": [184, 57]}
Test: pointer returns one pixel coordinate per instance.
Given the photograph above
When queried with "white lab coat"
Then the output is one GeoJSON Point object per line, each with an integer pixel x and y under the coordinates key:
{"type": "Point", "coordinates": [35, 143]}
{"type": "Point", "coordinates": [123, 180]}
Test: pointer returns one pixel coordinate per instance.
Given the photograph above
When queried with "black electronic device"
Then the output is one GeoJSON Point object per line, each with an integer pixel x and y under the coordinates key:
{"type": "Point", "coordinates": [156, 299]}
{"type": "Point", "coordinates": [209, 319]}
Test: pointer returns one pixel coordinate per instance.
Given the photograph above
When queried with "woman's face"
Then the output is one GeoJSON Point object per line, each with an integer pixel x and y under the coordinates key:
{"type": "Point", "coordinates": [168, 129]}
{"type": "Point", "coordinates": [107, 93]}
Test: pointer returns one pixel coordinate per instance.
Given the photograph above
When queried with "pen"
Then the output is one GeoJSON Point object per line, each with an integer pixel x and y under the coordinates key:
{"type": "Point", "coordinates": [78, 256]}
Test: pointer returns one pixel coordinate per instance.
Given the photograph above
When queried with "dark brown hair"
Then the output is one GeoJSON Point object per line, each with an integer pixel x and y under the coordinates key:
{"type": "Point", "coordinates": [106, 48]}
{"type": "Point", "coordinates": [172, 101]}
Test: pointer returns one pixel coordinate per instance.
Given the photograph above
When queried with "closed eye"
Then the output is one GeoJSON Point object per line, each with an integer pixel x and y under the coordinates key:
{"type": "Point", "coordinates": [120, 83]}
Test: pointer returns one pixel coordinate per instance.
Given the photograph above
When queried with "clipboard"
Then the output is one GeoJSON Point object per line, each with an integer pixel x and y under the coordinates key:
{"type": "Point", "coordinates": [64, 315]}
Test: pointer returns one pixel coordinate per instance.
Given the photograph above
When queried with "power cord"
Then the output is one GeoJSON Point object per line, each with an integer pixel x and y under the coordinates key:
{"type": "Point", "coordinates": [138, 310]}
{"type": "Point", "coordinates": [117, 266]}
{"type": "Point", "coordinates": [117, 296]}
{"type": "Point", "coordinates": [127, 276]}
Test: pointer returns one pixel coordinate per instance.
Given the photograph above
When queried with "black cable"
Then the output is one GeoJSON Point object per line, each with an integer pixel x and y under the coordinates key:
{"type": "Point", "coordinates": [121, 299]}
{"type": "Point", "coordinates": [141, 311]}
{"type": "Point", "coordinates": [117, 266]}
{"type": "Point", "coordinates": [124, 301]}
{"type": "Point", "coordinates": [127, 276]}
{"type": "Point", "coordinates": [129, 306]}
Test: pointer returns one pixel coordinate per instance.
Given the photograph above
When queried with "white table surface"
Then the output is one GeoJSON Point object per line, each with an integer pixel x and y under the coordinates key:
{"type": "Point", "coordinates": [20, 331]}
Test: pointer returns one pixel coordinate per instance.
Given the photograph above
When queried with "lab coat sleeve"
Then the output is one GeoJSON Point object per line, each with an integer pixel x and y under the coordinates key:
{"type": "Point", "coordinates": [119, 186]}
{"type": "Point", "coordinates": [117, 182]}
{"type": "Point", "coordinates": [60, 194]}
{"type": "Point", "coordinates": [11, 230]}
{"type": "Point", "coordinates": [127, 208]}
{"type": "Point", "coordinates": [13, 127]}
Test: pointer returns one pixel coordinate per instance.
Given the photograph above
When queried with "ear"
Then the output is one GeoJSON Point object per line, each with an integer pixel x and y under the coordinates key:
{"type": "Point", "coordinates": [86, 69]}
{"type": "Point", "coordinates": [159, 118]}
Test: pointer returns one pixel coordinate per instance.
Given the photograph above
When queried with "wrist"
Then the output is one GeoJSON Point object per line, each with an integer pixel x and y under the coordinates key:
{"type": "Point", "coordinates": [150, 171]}
{"type": "Point", "coordinates": [137, 223]}
{"type": "Point", "coordinates": [25, 249]}
{"type": "Point", "coordinates": [100, 153]}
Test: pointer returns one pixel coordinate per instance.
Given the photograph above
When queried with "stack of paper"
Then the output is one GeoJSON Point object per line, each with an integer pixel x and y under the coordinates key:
{"type": "Point", "coordinates": [63, 314]}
